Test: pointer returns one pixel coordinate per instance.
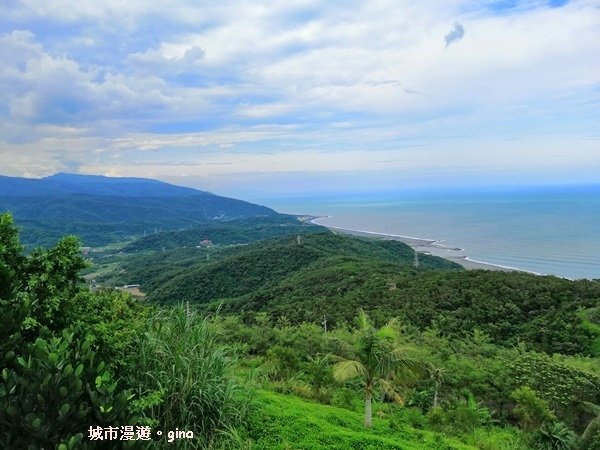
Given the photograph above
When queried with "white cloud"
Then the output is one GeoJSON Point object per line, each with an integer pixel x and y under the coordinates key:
{"type": "Point", "coordinates": [254, 78]}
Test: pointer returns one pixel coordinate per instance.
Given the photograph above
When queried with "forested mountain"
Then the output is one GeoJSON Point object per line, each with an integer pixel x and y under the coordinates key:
{"type": "Point", "coordinates": [226, 232]}
{"type": "Point", "coordinates": [323, 274]}
{"type": "Point", "coordinates": [244, 269]}
{"type": "Point", "coordinates": [101, 209]}
{"type": "Point", "coordinates": [62, 184]}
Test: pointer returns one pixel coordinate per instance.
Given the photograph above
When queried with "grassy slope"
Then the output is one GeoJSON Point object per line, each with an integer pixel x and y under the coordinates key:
{"type": "Point", "coordinates": [286, 421]}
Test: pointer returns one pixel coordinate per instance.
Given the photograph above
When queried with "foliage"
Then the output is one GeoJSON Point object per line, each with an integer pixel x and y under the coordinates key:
{"type": "Point", "coordinates": [181, 365]}
{"type": "Point", "coordinates": [468, 415]}
{"type": "Point", "coordinates": [531, 410]}
{"type": "Point", "coordinates": [14, 304]}
{"type": "Point", "coordinates": [591, 435]}
{"type": "Point", "coordinates": [562, 387]}
{"type": "Point", "coordinates": [334, 275]}
{"type": "Point", "coordinates": [318, 372]}
{"type": "Point", "coordinates": [112, 317]}
{"type": "Point", "coordinates": [554, 436]}
{"type": "Point", "coordinates": [229, 232]}
{"type": "Point", "coordinates": [248, 269]}
{"type": "Point", "coordinates": [54, 391]}
{"type": "Point", "coordinates": [284, 361]}
{"type": "Point", "coordinates": [46, 279]}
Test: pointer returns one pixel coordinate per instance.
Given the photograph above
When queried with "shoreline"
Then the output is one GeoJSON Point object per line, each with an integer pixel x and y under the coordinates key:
{"type": "Point", "coordinates": [425, 246]}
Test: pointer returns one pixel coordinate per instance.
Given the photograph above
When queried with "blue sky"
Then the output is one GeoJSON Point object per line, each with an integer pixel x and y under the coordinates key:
{"type": "Point", "coordinates": [300, 97]}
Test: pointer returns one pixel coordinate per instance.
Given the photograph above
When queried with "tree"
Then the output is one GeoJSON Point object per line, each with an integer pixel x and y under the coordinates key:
{"type": "Point", "coordinates": [378, 360]}
{"type": "Point", "coordinates": [437, 375]}
{"type": "Point", "coordinates": [52, 385]}
{"type": "Point", "coordinates": [13, 304]}
{"type": "Point", "coordinates": [531, 410]}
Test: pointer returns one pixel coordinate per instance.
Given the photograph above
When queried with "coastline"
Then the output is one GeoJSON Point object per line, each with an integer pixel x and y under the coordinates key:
{"type": "Point", "coordinates": [422, 245]}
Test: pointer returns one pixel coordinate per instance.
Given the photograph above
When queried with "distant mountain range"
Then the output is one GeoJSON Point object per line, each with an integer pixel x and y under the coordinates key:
{"type": "Point", "coordinates": [62, 184]}
{"type": "Point", "coordinates": [106, 209]}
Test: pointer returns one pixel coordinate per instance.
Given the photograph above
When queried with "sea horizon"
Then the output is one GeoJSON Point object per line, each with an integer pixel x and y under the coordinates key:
{"type": "Point", "coordinates": [546, 230]}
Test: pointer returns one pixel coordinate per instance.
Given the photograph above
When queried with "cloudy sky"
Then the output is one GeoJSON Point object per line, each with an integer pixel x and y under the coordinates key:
{"type": "Point", "coordinates": [301, 96]}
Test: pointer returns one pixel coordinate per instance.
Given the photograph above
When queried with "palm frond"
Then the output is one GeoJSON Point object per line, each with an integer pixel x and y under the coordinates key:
{"type": "Point", "coordinates": [390, 391]}
{"type": "Point", "coordinates": [363, 320]}
{"type": "Point", "coordinates": [390, 330]}
{"type": "Point", "coordinates": [347, 369]}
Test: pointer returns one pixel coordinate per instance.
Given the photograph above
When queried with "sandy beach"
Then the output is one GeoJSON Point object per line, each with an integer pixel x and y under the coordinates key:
{"type": "Point", "coordinates": [424, 246]}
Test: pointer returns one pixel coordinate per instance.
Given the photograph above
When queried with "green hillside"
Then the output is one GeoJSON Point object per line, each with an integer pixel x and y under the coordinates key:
{"type": "Point", "coordinates": [226, 232]}
{"type": "Point", "coordinates": [266, 263]}
{"type": "Point", "coordinates": [334, 276]}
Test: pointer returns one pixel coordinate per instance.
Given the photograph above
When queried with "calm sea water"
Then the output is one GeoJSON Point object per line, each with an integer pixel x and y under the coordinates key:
{"type": "Point", "coordinates": [549, 231]}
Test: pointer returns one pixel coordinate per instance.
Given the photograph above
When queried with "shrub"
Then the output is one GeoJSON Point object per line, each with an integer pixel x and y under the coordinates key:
{"type": "Point", "coordinates": [554, 436]}
{"type": "Point", "coordinates": [436, 418]}
{"type": "Point", "coordinates": [531, 410]}
{"type": "Point", "coordinates": [284, 362]}
{"type": "Point", "coordinates": [54, 392]}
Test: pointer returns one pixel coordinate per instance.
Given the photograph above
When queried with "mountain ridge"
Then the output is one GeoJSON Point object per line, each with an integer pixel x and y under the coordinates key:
{"type": "Point", "coordinates": [70, 203]}
{"type": "Point", "coordinates": [97, 185]}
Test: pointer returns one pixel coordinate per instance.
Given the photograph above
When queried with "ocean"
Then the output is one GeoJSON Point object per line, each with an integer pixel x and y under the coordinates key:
{"type": "Point", "coordinates": [550, 230]}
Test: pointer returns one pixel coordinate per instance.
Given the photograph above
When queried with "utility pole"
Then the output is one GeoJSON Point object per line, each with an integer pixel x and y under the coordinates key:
{"type": "Point", "coordinates": [416, 261]}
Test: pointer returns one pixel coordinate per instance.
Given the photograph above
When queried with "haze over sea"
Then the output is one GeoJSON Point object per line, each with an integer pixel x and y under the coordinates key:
{"type": "Point", "coordinates": [547, 230]}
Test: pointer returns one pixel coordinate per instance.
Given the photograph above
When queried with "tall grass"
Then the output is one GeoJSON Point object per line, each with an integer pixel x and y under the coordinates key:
{"type": "Point", "coordinates": [184, 378]}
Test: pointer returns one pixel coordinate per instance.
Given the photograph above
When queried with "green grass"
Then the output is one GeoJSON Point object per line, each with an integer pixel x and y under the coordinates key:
{"type": "Point", "coordinates": [287, 422]}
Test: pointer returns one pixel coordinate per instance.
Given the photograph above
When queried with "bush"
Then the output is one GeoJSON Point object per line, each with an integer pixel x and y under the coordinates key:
{"type": "Point", "coordinates": [554, 436]}
{"type": "Point", "coordinates": [284, 362]}
{"type": "Point", "coordinates": [531, 410]}
{"type": "Point", "coordinates": [54, 392]}
{"type": "Point", "coordinates": [348, 399]}
{"type": "Point", "coordinates": [412, 416]}
{"type": "Point", "coordinates": [436, 418]}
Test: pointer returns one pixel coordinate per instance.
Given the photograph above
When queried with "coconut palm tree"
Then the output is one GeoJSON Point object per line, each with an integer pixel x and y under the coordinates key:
{"type": "Point", "coordinates": [378, 360]}
{"type": "Point", "coordinates": [437, 375]}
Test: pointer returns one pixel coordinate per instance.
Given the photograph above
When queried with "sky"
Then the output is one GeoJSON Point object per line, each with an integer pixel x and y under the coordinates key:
{"type": "Point", "coordinates": [300, 97]}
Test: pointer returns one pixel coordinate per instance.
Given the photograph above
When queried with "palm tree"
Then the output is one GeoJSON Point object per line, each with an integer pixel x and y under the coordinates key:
{"type": "Point", "coordinates": [378, 360]}
{"type": "Point", "coordinates": [437, 375]}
